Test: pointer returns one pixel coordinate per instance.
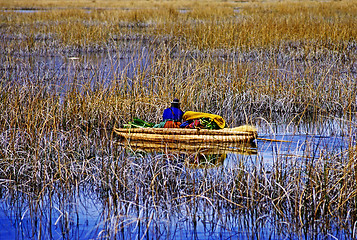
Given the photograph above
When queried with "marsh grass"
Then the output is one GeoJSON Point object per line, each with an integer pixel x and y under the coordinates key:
{"type": "Point", "coordinates": [271, 59]}
{"type": "Point", "coordinates": [157, 196]}
{"type": "Point", "coordinates": [311, 70]}
{"type": "Point", "coordinates": [208, 25]}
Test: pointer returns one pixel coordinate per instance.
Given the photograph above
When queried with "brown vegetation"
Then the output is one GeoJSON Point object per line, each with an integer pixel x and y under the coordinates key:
{"type": "Point", "coordinates": [242, 60]}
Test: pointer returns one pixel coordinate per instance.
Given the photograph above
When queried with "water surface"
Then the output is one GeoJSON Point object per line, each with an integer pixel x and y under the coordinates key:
{"type": "Point", "coordinates": [91, 210]}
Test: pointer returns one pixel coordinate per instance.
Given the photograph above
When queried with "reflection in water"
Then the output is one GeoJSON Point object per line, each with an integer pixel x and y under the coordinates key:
{"type": "Point", "coordinates": [196, 155]}
{"type": "Point", "coordinates": [54, 213]}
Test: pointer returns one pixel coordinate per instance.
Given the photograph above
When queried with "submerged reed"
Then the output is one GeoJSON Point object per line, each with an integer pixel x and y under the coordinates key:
{"type": "Point", "coordinates": [158, 196]}
{"type": "Point", "coordinates": [54, 143]}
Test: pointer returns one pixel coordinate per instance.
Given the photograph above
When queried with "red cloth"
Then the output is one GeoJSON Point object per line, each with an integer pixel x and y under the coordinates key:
{"type": "Point", "coordinates": [172, 124]}
{"type": "Point", "coordinates": [195, 124]}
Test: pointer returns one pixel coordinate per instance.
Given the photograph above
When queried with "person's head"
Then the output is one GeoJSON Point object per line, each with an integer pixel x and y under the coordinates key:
{"type": "Point", "coordinates": [175, 103]}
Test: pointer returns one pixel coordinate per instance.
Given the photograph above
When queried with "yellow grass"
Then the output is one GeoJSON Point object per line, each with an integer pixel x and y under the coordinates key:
{"type": "Point", "coordinates": [300, 59]}
{"type": "Point", "coordinates": [107, 3]}
{"type": "Point", "coordinates": [200, 24]}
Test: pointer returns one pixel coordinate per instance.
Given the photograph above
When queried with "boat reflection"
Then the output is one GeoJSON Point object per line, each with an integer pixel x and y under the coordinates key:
{"type": "Point", "coordinates": [195, 155]}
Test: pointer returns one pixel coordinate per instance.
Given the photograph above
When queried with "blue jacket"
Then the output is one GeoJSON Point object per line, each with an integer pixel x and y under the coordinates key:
{"type": "Point", "coordinates": [172, 113]}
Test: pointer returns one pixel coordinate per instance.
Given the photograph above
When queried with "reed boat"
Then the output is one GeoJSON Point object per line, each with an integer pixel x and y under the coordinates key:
{"type": "Point", "coordinates": [243, 134]}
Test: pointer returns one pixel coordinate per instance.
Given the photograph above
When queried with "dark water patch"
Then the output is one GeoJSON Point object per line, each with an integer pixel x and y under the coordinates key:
{"type": "Point", "coordinates": [25, 10]}
{"type": "Point", "coordinates": [184, 10]}
{"type": "Point", "coordinates": [237, 10]}
{"type": "Point", "coordinates": [47, 9]}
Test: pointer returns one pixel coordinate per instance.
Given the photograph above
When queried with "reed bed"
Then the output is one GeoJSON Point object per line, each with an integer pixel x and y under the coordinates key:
{"type": "Point", "coordinates": [57, 145]}
{"type": "Point", "coordinates": [249, 62]}
{"type": "Point", "coordinates": [203, 25]}
{"type": "Point", "coordinates": [242, 86]}
{"type": "Point", "coordinates": [156, 196]}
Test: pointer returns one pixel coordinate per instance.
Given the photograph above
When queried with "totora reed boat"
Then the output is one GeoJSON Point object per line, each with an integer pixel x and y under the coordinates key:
{"type": "Point", "coordinates": [242, 134]}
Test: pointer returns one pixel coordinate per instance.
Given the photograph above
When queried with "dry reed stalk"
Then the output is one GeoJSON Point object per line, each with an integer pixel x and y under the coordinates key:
{"type": "Point", "coordinates": [55, 143]}
{"type": "Point", "coordinates": [210, 25]}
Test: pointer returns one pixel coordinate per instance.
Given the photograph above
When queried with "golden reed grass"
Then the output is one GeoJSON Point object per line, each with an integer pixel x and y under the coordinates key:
{"type": "Point", "coordinates": [205, 24]}
{"type": "Point", "coordinates": [239, 60]}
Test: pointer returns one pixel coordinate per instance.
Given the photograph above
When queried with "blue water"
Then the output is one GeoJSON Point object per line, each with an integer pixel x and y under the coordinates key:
{"type": "Point", "coordinates": [82, 214]}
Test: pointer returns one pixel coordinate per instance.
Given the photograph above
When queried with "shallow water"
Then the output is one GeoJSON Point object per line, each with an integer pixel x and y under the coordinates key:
{"type": "Point", "coordinates": [93, 69]}
{"type": "Point", "coordinates": [87, 212]}
{"type": "Point", "coordinates": [24, 10]}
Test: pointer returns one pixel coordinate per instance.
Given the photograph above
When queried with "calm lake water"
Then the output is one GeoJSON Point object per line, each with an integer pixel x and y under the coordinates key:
{"type": "Point", "coordinates": [82, 212]}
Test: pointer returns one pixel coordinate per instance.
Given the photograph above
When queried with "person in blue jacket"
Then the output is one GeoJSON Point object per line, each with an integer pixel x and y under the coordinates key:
{"type": "Point", "coordinates": [173, 113]}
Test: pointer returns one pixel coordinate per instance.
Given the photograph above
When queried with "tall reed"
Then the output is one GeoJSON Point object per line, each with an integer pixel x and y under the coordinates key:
{"type": "Point", "coordinates": [244, 61]}
{"type": "Point", "coordinates": [205, 25]}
